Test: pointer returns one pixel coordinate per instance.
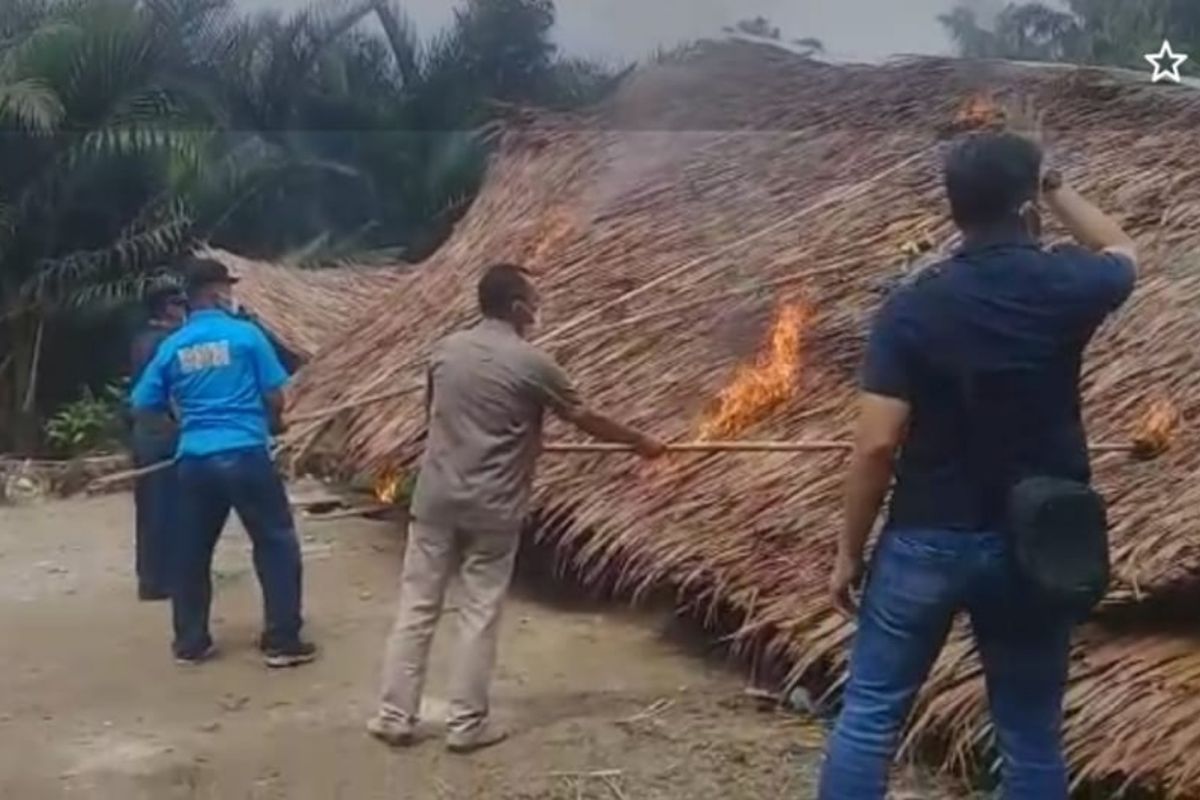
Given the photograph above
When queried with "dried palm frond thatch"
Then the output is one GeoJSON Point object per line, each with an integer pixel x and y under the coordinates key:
{"type": "Point", "coordinates": [306, 308]}
{"type": "Point", "coordinates": [738, 166]}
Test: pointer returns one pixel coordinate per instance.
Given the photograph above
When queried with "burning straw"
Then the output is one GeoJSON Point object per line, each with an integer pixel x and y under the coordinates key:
{"type": "Point", "coordinates": [759, 388]}
{"type": "Point", "coordinates": [838, 170]}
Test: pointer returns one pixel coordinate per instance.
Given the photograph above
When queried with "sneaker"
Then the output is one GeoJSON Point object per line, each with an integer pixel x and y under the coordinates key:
{"type": "Point", "coordinates": [485, 735]}
{"type": "Point", "coordinates": [292, 655]}
{"type": "Point", "coordinates": [390, 731]}
{"type": "Point", "coordinates": [197, 658]}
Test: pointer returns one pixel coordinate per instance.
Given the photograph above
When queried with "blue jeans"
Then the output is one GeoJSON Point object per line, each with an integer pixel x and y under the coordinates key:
{"type": "Point", "coordinates": [246, 481]}
{"type": "Point", "coordinates": [918, 581]}
{"type": "Point", "coordinates": [156, 506]}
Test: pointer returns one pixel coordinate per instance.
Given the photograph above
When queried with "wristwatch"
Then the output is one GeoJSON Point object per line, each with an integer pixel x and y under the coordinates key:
{"type": "Point", "coordinates": [1052, 181]}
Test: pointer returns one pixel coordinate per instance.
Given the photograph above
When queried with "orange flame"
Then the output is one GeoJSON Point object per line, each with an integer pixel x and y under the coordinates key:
{"type": "Point", "coordinates": [1156, 429]}
{"type": "Point", "coordinates": [759, 387]}
{"type": "Point", "coordinates": [387, 486]}
{"type": "Point", "coordinates": [980, 111]}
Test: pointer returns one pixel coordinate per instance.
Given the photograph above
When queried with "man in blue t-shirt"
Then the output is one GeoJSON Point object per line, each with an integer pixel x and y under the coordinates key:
{"type": "Point", "coordinates": [971, 383]}
{"type": "Point", "coordinates": [226, 383]}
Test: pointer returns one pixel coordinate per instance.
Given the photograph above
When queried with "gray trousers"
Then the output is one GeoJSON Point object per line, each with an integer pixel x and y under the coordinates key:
{"type": "Point", "coordinates": [483, 563]}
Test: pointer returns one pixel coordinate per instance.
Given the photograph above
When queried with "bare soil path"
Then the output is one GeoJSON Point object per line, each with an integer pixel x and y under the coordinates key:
{"type": "Point", "coordinates": [92, 706]}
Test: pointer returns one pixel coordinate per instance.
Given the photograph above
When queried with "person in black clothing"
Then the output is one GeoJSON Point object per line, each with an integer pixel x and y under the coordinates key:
{"type": "Point", "coordinates": [155, 437]}
{"type": "Point", "coordinates": [970, 386]}
{"type": "Point", "coordinates": [290, 361]}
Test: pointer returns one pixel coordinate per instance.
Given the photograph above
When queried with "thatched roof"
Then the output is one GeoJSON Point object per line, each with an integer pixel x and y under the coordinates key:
{"type": "Point", "coordinates": [736, 166]}
{"type": "Point", "coordinates": [306, 308]}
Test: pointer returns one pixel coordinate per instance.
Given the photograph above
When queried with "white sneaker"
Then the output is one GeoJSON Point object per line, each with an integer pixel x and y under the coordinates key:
{"type": "Point", "coordinates": [486, 734]}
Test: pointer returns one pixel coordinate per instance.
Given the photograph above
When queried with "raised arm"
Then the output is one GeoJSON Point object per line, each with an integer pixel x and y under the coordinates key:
{"type": "Point", "coordinates": [1090, 226]}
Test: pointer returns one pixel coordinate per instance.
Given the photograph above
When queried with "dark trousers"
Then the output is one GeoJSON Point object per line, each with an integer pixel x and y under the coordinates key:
{"type": "Point", "coordinates": [156, 504]}
{"type": "Point", "coordinates": [246, 481]}
{"type": "Point", "coordinates": [919, 580]}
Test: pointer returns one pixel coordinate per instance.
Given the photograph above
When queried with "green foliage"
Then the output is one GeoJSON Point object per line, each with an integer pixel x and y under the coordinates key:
{"type": "Point", "coordinates": [89, 424]}
{"type": "Point", "coordinates": [1109, 32]}
{"type": "Point", "coordinates": [130, 129]}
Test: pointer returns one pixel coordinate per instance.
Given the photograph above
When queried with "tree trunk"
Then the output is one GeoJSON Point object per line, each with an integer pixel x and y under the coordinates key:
{"type": "Point", "coordinates": [18, 388]}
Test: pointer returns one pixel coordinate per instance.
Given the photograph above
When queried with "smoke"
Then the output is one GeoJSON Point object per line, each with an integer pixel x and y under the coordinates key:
{"type": "Point", "coordinates": [623, 30]}
{"type": "Point", "coordinates": [985, 10]}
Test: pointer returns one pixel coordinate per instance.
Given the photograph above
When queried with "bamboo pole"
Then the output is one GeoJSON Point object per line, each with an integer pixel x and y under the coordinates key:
{"type": "Point", "coordinates": [706, 447]}
{"type": "Point", "coordinates": [572, 325]}
{"type": "Point", "coordinates": [322, 414]}
{"type": "Point", "coordinates": [812, 446]}
{"type": "Point", "coordinates": [842, 195]}
{"type": "Point", "coordinates": [105, 481]}
{"type": "Point", "coordinates": [671, 311]}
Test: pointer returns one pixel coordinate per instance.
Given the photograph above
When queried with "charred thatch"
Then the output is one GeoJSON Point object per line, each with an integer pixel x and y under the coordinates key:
{"type": "Point", "coordinates": [737, 166]}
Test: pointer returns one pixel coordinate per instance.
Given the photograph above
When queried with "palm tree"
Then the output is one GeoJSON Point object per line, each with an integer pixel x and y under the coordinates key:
{"type": "Point", "coordinates": [132, 127]}
{"type": "Point", "coordinates": [92, 138]}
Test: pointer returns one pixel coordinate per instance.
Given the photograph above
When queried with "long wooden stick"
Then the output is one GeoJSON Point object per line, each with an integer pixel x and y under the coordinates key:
{"type": "Point", "coordinates": [105, 481]}
{"type": "Point", "coordinates": [706, 447]}
{"type": "Point", "coordinates": [813, 446]}
{"type": "Point", "coordinates": [841, 195]}
{"type": "Point", "coordinates": [671, 311]}
{"type": "Point", "coordinates": [324, 413]}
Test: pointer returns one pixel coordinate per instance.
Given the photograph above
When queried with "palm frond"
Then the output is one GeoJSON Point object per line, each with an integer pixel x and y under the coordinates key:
{"type": "Point", "coordinates": [140, 140]}
{"type": "Point", "coordinates": [112, 294]}
{"type": "Point", "coordinates": [73, 280]}
{"type": "Point", "coordinates": [31, 105]}
{"type": "Point", "coordinates": [402, 37]}
{"type": "Point", "coordinates": [27, 52]}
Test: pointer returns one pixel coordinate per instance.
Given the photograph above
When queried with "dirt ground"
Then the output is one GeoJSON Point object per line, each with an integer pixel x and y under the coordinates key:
{"type": "Point", "coordinates": [603, 702]}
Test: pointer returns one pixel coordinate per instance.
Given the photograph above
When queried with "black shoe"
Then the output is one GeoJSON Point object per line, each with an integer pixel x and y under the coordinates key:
{"type": "Point", "coordinates": [149, 595]}
{"type": "Point", "coordinates": [292, 655]}
{"type": "Point", "coordinates": [196, 658]}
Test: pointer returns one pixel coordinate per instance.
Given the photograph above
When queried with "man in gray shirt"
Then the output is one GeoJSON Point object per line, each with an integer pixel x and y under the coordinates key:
{"type": "Point", "coordinates": [488, 390]}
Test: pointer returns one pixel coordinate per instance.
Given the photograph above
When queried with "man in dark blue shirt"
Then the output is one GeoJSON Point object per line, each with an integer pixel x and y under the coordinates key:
{"type": "Point", "coordinates": [226, 382]}
{"type": "Point", "coordinates": [971, 376]}
{"type": "Point", "coordinates": [155, 437]}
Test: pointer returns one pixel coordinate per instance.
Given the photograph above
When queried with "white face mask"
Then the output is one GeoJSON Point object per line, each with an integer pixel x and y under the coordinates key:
{"type": "Point", "coordinates": [528, 314]}
{"type": "Point", "coordinates": [228, 302]}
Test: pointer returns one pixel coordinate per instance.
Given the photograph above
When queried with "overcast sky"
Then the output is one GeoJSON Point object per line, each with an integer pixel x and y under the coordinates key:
{"type": "Point", "coordinates": [629, 29]}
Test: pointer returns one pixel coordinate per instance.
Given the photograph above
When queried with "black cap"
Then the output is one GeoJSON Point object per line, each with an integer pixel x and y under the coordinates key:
{"type": "Point", "coordinates": [164, 294]}
{"type": "Point", "coordinates": [201, 272]}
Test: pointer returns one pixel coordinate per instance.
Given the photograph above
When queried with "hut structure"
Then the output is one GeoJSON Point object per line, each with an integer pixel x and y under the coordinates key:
{"type": "Point", "coordinates": [305, 308]}
{"type": "Point", "coordinates": [676, 227]}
